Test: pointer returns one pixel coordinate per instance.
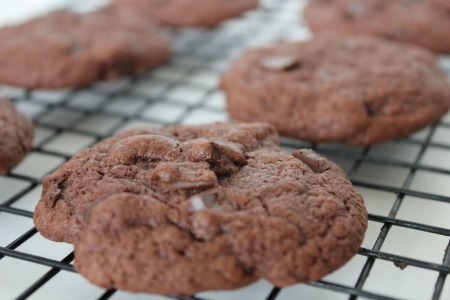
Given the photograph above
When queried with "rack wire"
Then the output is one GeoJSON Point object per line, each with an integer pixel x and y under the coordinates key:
{"type": "Point", "coordinates": [405, 183]}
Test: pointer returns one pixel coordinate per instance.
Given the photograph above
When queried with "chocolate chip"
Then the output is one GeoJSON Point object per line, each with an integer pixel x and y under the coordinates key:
{"type": "Point", "coordinates": [231, 151]}
{"type": "Point", "coordinates": [183, 176]}
{"type": "Point", "coordinates": [200, 150]}
{"type": "Point", "coordinates": [317, 163]}
{"type": "Point", "coordinates": [224, 158]}
{"type": "Point", "coordinates": [141, 148]}
{"type": "Point", "coordinates": [231, 159]}
{"type": "Point", "coordinates": [279, 63]}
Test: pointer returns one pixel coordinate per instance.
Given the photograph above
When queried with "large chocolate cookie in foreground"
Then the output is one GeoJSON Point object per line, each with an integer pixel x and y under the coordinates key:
{"type": "Point", "coordinates": [184, 209]}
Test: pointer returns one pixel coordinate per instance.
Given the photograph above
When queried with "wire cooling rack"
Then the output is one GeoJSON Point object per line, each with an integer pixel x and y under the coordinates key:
{"type": "Point", "coordinates": [405, 183]}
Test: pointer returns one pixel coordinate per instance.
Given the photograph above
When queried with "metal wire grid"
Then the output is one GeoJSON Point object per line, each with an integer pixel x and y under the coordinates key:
{"type": "Point", "coordinates": [185, 91]}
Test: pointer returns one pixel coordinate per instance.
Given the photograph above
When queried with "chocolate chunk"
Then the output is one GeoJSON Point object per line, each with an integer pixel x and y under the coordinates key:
{"type": "Point", "coordinates": [224, 158]}
{"type": "Point", "coordinates": [140, 148]}
{"type": "Point", "coordinates": [184, 176]}
{"type": "Point", "coordinates": [317, 163]}
{"type": "Point", "coordinates": [196, 150]}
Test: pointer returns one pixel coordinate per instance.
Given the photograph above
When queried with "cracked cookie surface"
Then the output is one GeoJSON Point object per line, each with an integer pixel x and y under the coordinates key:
{"type": "Point", "coordinates": [16, 133]}
{"type": "Point", "coordinates": [184, 209]}
{"type": "Point", "coordinates": [66, 49]}
{"type": "Point", "coordinates": [358, 90]}
{"type": "Point", "coordinates": [423, 23]}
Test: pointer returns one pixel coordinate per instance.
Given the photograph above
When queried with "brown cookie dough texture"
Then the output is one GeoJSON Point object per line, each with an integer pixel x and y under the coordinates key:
{"type": "Point", "coordinates": [424, 23]}
{"type": "Point", "coordinates": [189, 208]}
{"type": "Point", "coordinates": [358, 90]}
{"type": "Point", "coordinates": [188, 13]}
{"type": "Point", "coordinates": [65, 49]}
{"type": "Point", "coordinates": [16, 136]}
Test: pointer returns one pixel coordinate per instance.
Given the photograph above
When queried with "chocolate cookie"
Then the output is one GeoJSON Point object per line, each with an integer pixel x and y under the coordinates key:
{"type": "Point", "coordinates": [358, 90]}
{"type": "Point", "coordinates": [189, 208]}
{"type": "Point", "coordinates": [64, 49]}
{"type": "Point", "coordinates": [421, 22]}
{"type": "Point", "coordinates": [188, 13]}
{"type": "Point", "coordinates": [16, 133]}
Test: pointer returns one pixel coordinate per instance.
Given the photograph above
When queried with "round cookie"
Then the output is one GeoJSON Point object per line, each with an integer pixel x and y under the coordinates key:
{"type": "Point", "coordinates": [424, 23]}
{"type": "Point", "coordinates": [72, 50]}
{"type": "Point", "coordinates": [184, 209]}
{"type": "Point", "coordinates": [16, 133]}
{"type": "Point", "coordinates": [358, 90]}
{"type": "Point", "coordinates": [188, 13]}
